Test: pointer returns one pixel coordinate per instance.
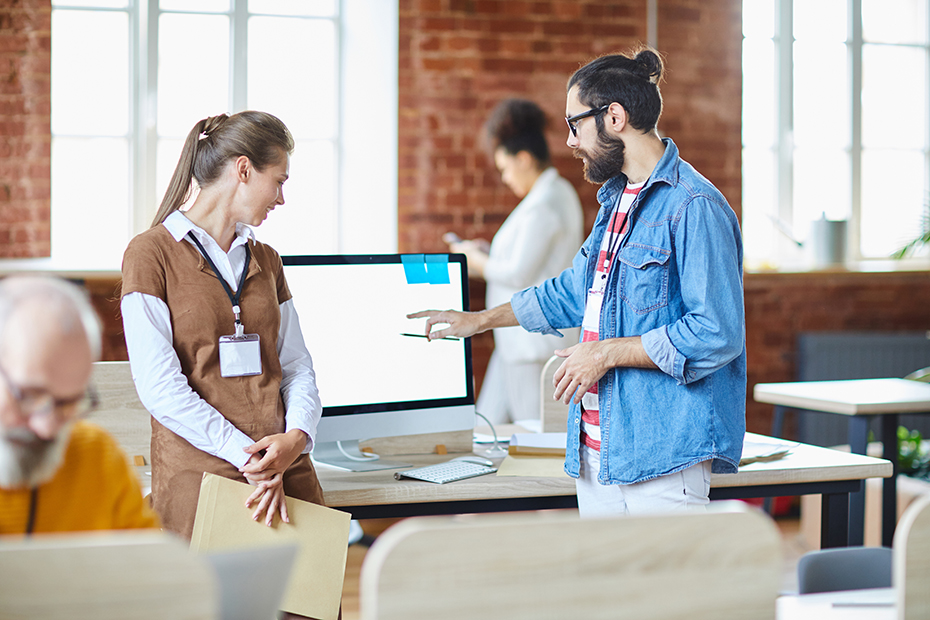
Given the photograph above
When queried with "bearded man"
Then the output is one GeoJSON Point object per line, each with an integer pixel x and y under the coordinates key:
{"type": "Point", "coordinates": [657, 385]}
{"type": "Point", "coordinates": [57, 472]}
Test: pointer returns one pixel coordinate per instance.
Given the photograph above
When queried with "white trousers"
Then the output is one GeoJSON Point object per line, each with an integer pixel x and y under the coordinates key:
{"type": "Point", "coordinates": [510, 391]}
{"type": "Point", "coordinates": [684, 490]}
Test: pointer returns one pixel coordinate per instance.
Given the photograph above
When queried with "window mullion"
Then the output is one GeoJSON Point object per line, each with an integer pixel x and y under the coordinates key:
{"type": "Point", "coordinates": [927, 114]}
{"type": "Point", "coordinates": [143, 100]}
{"type": "Point", "coordinates": [239, 57]}
{"type": "Point", "coordinates": [854, 232]}
{"type": "Point", "coordinates": [785, 88]}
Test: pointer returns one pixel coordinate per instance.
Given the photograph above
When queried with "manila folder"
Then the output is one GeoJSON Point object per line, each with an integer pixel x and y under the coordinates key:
{"type": "Point", "coordinates": [321, 534]}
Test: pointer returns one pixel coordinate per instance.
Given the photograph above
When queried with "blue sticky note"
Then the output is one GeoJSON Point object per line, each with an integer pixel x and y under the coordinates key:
{"type": "Point", "coordinates": [414, 268]}
{"type": "Point", "coordinates": [437, 268]}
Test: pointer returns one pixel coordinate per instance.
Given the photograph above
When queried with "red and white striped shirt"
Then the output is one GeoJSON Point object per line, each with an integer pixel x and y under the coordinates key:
{"type": "Point", "coordinates": [591, 324]}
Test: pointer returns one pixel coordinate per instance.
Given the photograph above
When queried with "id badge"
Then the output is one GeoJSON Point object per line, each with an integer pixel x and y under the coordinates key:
{"type": "Point", "coordinates": [592, 311]}
{"type": "Point", "coordinates": [240, 356]}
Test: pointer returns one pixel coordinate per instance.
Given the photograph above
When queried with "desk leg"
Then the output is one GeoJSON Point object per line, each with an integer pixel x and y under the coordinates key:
{"type": "Point", "coordinates": [890, 485]}
{"type": "Point", "coordinates": [834, 520]}
{"type": "Point", "coordinates": [778, 423]}
{"type": "Point", "coordinates": [858, 444]}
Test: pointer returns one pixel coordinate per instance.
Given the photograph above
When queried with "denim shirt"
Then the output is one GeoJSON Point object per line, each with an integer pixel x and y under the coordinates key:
{"type": "Point", "coordinates": [678, 283]}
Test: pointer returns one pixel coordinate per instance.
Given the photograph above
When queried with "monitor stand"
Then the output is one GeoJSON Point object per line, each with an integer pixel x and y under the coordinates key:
{"type": "Point", "coordinates": [346, 455]}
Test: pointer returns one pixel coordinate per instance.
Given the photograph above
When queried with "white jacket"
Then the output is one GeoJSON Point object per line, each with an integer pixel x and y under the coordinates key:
{"type": "Point", "coordinates": [537, 241]}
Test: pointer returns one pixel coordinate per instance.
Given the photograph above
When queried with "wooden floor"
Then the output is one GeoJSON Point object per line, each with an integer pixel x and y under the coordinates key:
{"type": "Point", "coordinates": [792, 549]}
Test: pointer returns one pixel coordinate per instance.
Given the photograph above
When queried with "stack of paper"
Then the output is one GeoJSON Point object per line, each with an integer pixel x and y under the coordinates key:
{"type": "Point", "coordinates": [537, 444]}
{"type": "Point", "coordinates": [761, 451]}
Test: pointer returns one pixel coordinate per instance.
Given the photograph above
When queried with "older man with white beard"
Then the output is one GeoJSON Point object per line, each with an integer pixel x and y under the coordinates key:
{"type": "Point", "coordinates": [57, 472]}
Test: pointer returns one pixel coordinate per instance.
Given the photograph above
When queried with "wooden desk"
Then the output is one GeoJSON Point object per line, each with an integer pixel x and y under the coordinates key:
{"type": "Point", "coordinates": [860, 399]}
{"type": "Point", "coordinates": [873, 604]}
{"type": "Point", "coordinates": [806, 470]}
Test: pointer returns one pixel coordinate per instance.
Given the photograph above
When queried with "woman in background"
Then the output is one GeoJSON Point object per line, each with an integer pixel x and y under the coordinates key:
{"type": "Point", "coordinates": [215, 347]}
{"type": "Point", "coordinates": [536, 242]}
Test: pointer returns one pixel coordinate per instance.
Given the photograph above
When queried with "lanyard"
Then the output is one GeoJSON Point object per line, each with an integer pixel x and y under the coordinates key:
{"type": "Point", "coordinates": [245, 270]}
{"type": "Point", "coordinates": [33, 501]}
{"type": "Point", "coordinates": [614, 238]}
{"type": "Point", "coordinates": [613, 242]}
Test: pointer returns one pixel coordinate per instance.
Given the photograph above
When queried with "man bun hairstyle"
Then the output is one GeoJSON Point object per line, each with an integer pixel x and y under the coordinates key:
{"type": "Point", "coordinates": [633, 82]}
{"type": "Point", "coordinates": [518, 125]}
{"type": "Point", "coordinates": [216, 140]}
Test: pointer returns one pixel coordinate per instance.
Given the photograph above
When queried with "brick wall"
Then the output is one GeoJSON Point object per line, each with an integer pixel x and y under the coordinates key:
{"type": "Point", "coordinates": [25, 131]}
{"type": "Point", "coordinates": [779, 307]}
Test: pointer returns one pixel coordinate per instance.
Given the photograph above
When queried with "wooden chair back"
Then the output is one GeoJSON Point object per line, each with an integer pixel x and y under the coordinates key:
{"type": "Point", "coordinates": [112, 576]}
{"type": "Point", "coordinates": [120, 411]}
{"type": "Point", "coordinates": [723, 564]}
{"type": "Point", "coordinates": [911, 568]}
{"type": "Point", "coordinates": [554, 414]}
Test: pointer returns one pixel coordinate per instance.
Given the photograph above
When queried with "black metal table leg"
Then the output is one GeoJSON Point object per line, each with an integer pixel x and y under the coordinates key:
{"type": "Point", "coordinates": [890, 485]}
{"type": "Point", "coordinates": [858, 444]}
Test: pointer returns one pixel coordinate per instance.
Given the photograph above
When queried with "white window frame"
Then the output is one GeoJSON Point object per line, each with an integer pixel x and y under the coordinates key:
{"type": "Point", "coordinates": [784, 147]}
{"type": "Point", "coordinates": [367, 31]}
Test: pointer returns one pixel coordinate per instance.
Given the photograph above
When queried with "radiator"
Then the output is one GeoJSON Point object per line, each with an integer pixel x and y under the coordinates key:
{"type": "Point", "coordinates": [827, 356]}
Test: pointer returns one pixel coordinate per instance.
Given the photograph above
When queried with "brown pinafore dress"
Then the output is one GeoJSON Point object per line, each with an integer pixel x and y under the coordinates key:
{"type": "Point", "coordinates": [176, 272]}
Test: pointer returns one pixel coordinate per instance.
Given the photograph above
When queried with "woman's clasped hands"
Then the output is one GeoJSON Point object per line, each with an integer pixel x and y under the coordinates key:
{"type": "Point", "coordinates": [270, 457]}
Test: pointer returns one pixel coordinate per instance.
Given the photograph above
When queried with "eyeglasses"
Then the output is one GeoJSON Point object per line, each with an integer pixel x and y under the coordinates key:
{"type": "Point", "coordinates": [572, 121]}
{"type": "Point", "coordinates": [40, 402]}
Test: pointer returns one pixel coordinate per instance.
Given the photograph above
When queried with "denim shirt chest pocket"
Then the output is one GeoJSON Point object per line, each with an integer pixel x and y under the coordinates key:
{"type": "Point", "coordinates": [644, 272]}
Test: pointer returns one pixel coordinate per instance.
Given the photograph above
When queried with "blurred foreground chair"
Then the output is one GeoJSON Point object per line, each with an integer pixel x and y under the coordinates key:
{"type": "Point", "coordinates": [844, 568]}
{"type": "Point", "coordinates": [554, 414]}
{"type": "Point", "coordinates": [912, 561]}
{"type": "Point", "coordinates": [723, 564]}
{"type": "Point", "coordinates": [112, 576]}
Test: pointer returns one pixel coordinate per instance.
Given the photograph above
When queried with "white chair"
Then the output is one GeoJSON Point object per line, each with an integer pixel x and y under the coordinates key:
{"type": "Point", "coordinates": [110, 576]}
{"type": "Point", "coordinates": [911, 551]}
{"type": "Point", "coordinates": [553, 414]}
{"type": "Point", "coordinates": [723, 564]}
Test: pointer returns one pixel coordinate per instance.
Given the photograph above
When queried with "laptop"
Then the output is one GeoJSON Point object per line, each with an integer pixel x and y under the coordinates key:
{"type": "Point", "coordinates": [251, 581]}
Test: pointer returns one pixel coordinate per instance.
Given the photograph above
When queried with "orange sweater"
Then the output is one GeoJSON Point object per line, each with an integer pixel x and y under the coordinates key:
{"type": "Point", "coordinates": [94, 489]}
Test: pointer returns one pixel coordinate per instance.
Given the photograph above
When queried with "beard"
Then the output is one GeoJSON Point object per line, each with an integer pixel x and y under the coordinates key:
{"type": "Point", "coordinates": [604, 164]}
{"type": "Point", "coordinates": [27, 460]}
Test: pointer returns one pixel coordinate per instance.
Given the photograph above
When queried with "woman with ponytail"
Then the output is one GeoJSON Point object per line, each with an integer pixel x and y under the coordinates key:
{"type": "Point", "coordinates": [215, 347]}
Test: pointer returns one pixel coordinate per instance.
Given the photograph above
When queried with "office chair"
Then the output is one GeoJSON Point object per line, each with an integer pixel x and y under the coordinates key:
{"type": "Point", "coordinates": [554, 565]}
{"type": "Point", "coordinates": [844, 568]}
{"type": "Point", "coordinates": [911, 553]}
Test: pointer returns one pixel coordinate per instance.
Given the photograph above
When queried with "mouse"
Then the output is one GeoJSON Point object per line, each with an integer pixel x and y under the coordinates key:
{"type": "Point", "coordinates": [475, 459]}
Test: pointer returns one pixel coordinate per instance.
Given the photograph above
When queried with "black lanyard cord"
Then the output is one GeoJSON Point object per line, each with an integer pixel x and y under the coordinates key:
{"type": "Point", "coordinates": [33, 502]}
{"type": "Point", "coordinates": [614, 237]}
{"type": "Point", "coordinates": [245, 270]}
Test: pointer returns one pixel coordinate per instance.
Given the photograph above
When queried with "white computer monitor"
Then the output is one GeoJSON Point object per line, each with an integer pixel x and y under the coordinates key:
{"type": "Point", "coordinates": [377, 374]}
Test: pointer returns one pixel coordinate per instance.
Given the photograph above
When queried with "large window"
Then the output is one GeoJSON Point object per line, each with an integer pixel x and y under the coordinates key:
{"type": "Point", "coordinates": [835, 125]}
{"type": "Point", "coordinates": [131, 77]}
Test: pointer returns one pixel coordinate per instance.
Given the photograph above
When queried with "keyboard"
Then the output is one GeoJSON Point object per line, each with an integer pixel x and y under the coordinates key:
{"type": "Point", "coordinates": [450, 471]}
